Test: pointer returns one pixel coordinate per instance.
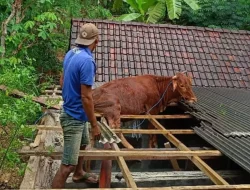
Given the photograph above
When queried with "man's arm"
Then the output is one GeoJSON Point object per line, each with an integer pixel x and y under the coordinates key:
{"type": "Point", "coordinates": [88, 105]}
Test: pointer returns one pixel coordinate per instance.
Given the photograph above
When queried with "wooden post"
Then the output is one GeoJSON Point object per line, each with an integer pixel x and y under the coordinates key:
{"type": "Point", "coordinates": [124, 168]}
{"type": "Point", "coordinates": [173, 161]}
{"type": "Point", "coordinates": [105, 174]}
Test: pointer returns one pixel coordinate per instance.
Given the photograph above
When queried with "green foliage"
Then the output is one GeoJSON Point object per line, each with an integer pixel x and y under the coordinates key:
{"type": "Point", "coordinates": [174, 8]}
{"type": "Point", "coordinates": [129, 17]}
{"type": "Point", "coordinates": [19, 77]}
{"type": "Point", "coordinates": [98, 12]}
{"type": "Point", "coordinates": [152, 11]}
{"type": "Point", "coordinates": [14, 114]}
{"type": "Point", "coordinates": [36, 36]}
{"type": "Point", "coordinates": [119, 7]}
{"type": "Point", "coordinates": [140, 11]}
{"type": "Point", "coordinates": [156, 12]}
{"type": "Point", "coordinates": [231, 14]}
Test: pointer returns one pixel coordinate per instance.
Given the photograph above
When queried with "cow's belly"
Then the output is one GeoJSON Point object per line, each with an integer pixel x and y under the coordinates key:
{"type": "Point", "coordinates": [132, 109]}
{"type": "Point", "coordinates": [133, 105]}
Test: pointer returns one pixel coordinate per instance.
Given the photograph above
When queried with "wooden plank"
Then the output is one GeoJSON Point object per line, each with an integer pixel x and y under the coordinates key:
{"type": "Point", "coordinates": [106, 171]}
{"type": "Point", "coordinates": [152, 131]}
{"type": "Point", "coordinates": [173, 161]}
{"type": "Point", "coordinates": [48, 167]}
{"type": "Point", "coordinates": [30, 173]}
{"type": "Point", "coordinates": [53, 91]}
{"type": "Point", "coordinates": [125, 131]}
{"type": "Point", "coordinates": [212, 187]}
{"type": "Point", "coordinates": [19, 94]}
{"type": "Point", "coordinates": [182, 116]}
{"type": "Point", "coordinates": [124, 168]}
{"type": "Point", "coordinates": [205, 187]}
{"type": "Point", "coordinates": [218, 180]}
{"type": "Point", "coordinates": [165, 149]}
{"type": "Point", "coordinates": [58, 157]}
{"type": "Point", "coordinates": [127, 153]}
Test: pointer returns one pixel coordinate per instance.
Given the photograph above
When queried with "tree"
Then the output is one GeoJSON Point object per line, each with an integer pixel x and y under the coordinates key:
{"type": "Point", "coordinates": [231, 14]}
{"type": "Point", "coordinates": [151, 11]}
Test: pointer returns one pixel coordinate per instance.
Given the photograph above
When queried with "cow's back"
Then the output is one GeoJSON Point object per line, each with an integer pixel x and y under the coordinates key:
{"type": "Point", "coordinates": [132, 93]}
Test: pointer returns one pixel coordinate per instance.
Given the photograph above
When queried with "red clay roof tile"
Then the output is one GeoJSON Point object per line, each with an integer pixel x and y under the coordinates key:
{"type": "Point", "coordinates": [213, 57]}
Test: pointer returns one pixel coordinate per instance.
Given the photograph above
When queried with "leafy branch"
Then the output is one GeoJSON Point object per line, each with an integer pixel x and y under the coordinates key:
{"type": "Point", "coordinates": [4, 26]}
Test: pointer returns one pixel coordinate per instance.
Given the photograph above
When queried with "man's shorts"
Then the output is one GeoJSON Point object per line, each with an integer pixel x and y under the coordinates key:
{"type": "Point", "coordinates": [75, 134]}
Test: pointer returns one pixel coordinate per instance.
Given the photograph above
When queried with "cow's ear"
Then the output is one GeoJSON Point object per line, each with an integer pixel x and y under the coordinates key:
{"type": "Point", "coordinates": [190, 79]}
{"type": "Point", "coordinates": [174, 79]}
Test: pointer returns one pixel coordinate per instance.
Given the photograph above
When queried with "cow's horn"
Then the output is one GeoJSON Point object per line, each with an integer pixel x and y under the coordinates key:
{"type": "Point", "coordinates": [184, 72]}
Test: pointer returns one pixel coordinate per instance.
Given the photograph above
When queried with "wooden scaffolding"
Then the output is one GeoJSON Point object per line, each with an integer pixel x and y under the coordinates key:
{"type": "Point", "coordinates": [113, 152]}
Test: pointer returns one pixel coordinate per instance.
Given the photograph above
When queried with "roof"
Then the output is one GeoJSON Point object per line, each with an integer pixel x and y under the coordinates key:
{"type": "Point", "coordinates": [224, 116]}
{"type": "Point", "coordinates": [212, 57]}
{"type": "Point", "coordinates": [218, 60]}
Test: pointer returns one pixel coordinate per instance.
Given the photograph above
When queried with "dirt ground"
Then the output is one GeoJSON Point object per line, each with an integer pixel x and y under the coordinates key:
{"type": "Point", "coordinates": [10, 179]}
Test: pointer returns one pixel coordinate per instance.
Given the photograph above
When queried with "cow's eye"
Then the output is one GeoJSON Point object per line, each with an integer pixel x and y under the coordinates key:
{"type": "Point", "coordinates": [182, 86]}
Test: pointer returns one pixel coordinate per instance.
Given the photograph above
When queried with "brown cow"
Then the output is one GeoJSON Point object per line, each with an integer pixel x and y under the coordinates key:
{"type": "Point", "coordinates": [137, 95]}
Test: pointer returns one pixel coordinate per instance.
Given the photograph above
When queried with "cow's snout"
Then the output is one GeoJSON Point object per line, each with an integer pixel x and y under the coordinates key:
{"type": "Point", "coordinates": [192, 100]}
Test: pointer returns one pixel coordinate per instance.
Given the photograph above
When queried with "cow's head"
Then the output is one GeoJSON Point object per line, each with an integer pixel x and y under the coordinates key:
{"type": "Point", "coordinates": [183, 84]}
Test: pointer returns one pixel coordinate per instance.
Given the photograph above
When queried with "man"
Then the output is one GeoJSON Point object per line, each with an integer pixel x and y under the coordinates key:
{"type": "Point", "coordinates": [77, 79]}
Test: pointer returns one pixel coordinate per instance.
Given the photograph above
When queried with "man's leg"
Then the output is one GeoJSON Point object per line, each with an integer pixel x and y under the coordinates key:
{"type": "Point", "coordinates": [61, 176]}
{"type": "Point", "coordinates": [79, 173]}
{"type": "Point", "coordinates": [72, 133]}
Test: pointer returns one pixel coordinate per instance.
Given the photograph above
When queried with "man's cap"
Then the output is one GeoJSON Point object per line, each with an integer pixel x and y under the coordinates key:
{"type": "Point", "coordinates": [87, 35]}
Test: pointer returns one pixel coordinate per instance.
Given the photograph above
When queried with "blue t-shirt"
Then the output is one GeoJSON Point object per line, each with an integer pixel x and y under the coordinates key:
{"type": "Point", "coordinates": [78, 68]}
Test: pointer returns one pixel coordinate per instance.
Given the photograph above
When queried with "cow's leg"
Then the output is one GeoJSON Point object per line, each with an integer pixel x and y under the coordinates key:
{"type": "Point", "coordinates": [116, 124]}
{"type": "Point", "coordinates": [152, 138]}
{"type": "Point", "coordinates": [154, 141]}
{"type": "Point", "coordinates": [121, 136]}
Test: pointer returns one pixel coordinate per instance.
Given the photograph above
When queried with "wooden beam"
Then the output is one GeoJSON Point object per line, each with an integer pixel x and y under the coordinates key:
{"type": "Point", "coordinates": [173, 161]}
{"type": "Point", "coordinates": [105, 172]}
{"type": "Point", "coordinates": [182, 116]}
{"type": "Point", "coordinates": [165, 149]}
{"type": "Point", "coordinates": [205, 187]}
{"type": "Point", "coordinates": [19, 94]}
{"type": "Point", "coordinates": [53, 91]}
{"type": "Point", "coordinates": [217, 179]}
{"type": "Point", "coordinates": [125, 131]}
{"type": "Point", "coordinates": [126, 153]}
{"type": "Point", "coordinates": [29, 178]}
{"type": "Point", "coordinates": [152, 131]}
{"type": "Point", "coordinates": [124, 168]}
{"type": "Point", "coordinates": [58, 157]}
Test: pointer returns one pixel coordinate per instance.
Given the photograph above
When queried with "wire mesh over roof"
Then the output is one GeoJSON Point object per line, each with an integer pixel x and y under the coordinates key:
{"type": "Point", "coordinates": [212, 57]}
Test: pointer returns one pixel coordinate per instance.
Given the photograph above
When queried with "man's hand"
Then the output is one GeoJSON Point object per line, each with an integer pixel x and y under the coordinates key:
{"type": "Point", "coordinates": [96, 133]}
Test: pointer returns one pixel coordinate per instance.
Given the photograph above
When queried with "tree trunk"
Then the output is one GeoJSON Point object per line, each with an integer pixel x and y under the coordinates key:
{"type": "Point", "coordinates": [15, 12]}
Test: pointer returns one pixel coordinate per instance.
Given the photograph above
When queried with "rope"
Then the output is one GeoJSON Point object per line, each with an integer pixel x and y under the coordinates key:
{"type": "Point", "coordinates": [44, 114]}
{"type": "Point", "coordinates": [134, 127]}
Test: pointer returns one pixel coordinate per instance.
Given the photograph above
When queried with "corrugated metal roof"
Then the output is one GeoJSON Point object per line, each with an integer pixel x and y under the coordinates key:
{"type": "Point", "coordinates": [225, 121]}
{"type": "Point", "coordinates": [218, 108]}
{"type": "Point", "coordinates": [212, 57]}
{"type": "Point", "coordinates": [237, 149]}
